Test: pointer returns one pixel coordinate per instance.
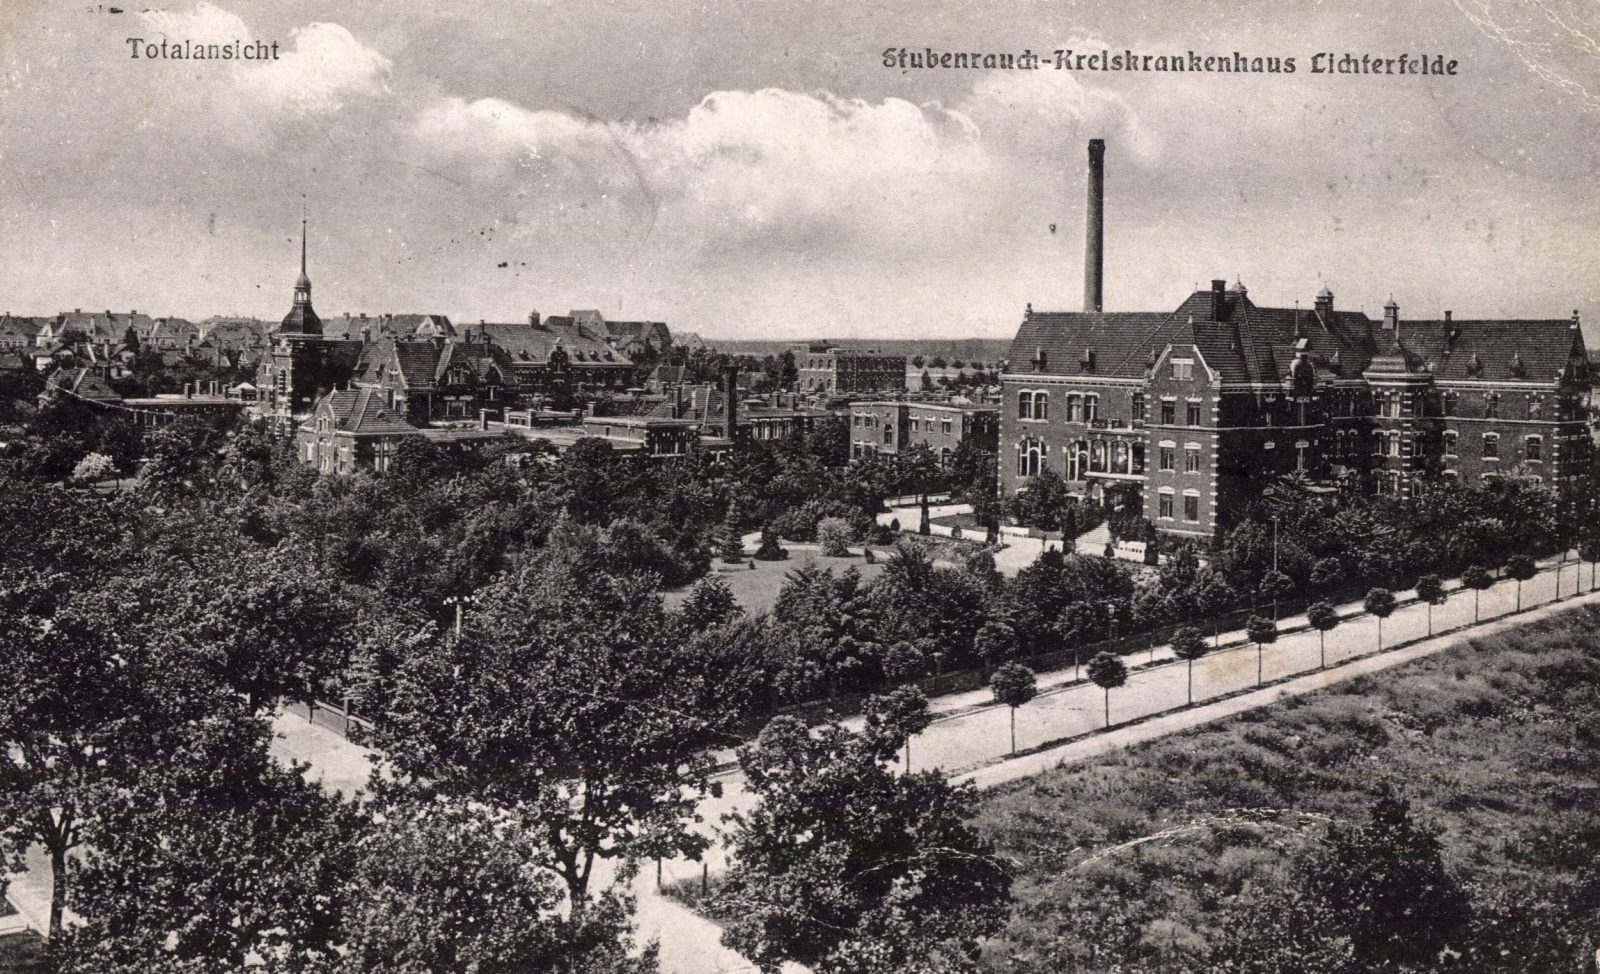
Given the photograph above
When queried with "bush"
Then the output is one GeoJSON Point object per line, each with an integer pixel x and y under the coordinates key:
{"type": "Point", "coordinates": [835, 535]}
{"type": "Point", "coordinates": [770, 549]}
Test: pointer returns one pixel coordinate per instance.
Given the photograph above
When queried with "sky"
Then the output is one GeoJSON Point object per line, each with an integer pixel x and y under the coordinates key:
{"type": "Point", "coordinates": [752, 170]}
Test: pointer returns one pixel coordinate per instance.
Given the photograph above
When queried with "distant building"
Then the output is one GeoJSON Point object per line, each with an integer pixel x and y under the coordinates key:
{"type": "Point", "coordinates": [83, 384]}
{"type": "Point", "coordinates": [354, 429]}
{"type": "Point", "coordinates": [404, 327]}
{"type": "Point", "coordinates": [1202, 408]}
{"type": "Point", "coordinates": [302, 364]}
{"type": "Point", "coordinates": [439, 381]}
{"type": "Point", "coordinates": [558, 357]}
{"type": "Point", "coordinates": [754, 418]}
{"type": "Point", "coordinates": [830, 370]}
{"type": "Point", "coordinates": [894, 426]}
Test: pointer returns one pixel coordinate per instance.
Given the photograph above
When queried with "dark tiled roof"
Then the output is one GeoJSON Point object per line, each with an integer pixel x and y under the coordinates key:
{"type": "Point", "coordinates": [1496, 351]}
{"type": "Point", "coordinates": [401, 326]}
{"type": "Point", "coordinates": [17, 326]}
{"type": "Point", "coordinates": [525, 342]}
{"type": "Point", "coordinates": [102, 324]}
{"type": "Point", "coordinates": [1246, 343]}
{"type": "Point", "coordinates": [1119, 339]}
{"type": "Point", "coordinates": [79, 383]}
{"type": "Point", "coordinates": [481, 357]}
{"type": "Point", "coordinates": [363, 412]}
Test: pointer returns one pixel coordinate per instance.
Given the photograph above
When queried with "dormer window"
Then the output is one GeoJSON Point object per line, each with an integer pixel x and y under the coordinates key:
{"type": "Point", "coordinates": [1086, 363]}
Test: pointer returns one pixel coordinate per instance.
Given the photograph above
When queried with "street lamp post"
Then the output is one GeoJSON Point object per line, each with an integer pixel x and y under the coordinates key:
{"type": "Point", "coordinates": [458, 602]}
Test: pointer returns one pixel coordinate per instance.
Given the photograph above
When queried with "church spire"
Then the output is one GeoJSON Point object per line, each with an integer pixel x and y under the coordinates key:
{"type": "Point", "coordinates": [301, 319]}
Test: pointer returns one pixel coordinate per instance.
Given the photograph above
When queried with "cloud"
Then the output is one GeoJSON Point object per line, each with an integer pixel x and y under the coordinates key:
{"type": "Point", "coordinates": [326, 66]}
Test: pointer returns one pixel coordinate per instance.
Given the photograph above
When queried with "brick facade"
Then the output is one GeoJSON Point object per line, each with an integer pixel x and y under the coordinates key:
{"type": "Point", "coordinates": [1204, 407]}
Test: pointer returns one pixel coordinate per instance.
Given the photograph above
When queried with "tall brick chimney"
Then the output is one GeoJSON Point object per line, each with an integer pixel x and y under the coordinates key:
{"type": "Point", "coordinates": [1094, 255]}
{"type": "Point", "coordinates": [730, 396]}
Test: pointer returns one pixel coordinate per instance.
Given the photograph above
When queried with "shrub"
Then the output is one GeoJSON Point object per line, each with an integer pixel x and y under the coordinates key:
{"type": "Point", "coordinates": [770, 549]}
{"type": "Point", "coordinates": [834, 534]}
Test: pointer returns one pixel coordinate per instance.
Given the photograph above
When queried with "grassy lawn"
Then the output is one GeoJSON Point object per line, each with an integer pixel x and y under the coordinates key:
{"type": "Point", "coordinates": [1160, 858]}
{"type": "Point", "coordinates": [757, 589]}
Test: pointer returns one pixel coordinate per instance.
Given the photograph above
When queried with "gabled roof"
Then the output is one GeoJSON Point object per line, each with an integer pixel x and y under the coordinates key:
{"type": "Point", "coordinates": [1245, 343]}
{"type": "Point", "coordinates": [481, 358]}
{"type": "Point", "coordinates": [107, 325]}
{"type": "Point", "coordinates": [235, 333]}
{"type": "Point", "coordinates": [363, 411]}
{"type": "Point", "coordinates": [400, 326]}
{"type": "Point", "coordinates": [528, 343]}
{"type": "Point", "coordinates": [20, 327]}
{"type": "Point", "coordinates": [80, 384]}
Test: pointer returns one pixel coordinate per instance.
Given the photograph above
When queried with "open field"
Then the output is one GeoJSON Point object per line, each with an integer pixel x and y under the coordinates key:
{"type": "Point", "coordinates": [757, 589]}
{"type": "Point", "coordinates": [1493, 742]}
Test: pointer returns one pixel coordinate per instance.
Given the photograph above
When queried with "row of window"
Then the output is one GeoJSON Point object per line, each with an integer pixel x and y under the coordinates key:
{"type": "Point", "coordinates": [1391, 443]}
{"type": "Point", "coordinates": [1034, 405]}
{"type": "Point", "coordinates": [1082, 458]}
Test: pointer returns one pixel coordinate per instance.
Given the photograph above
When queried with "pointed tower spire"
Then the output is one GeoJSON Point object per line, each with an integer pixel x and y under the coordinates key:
{"type": "Point", "coordinates": [301, 319]}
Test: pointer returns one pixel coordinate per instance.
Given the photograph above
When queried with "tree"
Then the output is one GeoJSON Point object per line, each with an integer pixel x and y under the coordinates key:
{"type": "Point", "coordinates": [1324, 618]}
{"type": "Point", "coordinates": [1380, 604]}
{"type": "Point", "coordinates": [1013, 684]}
{"type": "Point", "coordinates": [94, 467]}
{"type": "Point", "coordinates": [214, 857]}
{"type": "Point", "coordinates": [1108, 672]}
{"type": "Point", "coordinates": [270, 625]}
{"type": "Point", "coordinates": [927, 381]}
{"type": "Point", "coordinates": [81, 709]}
{"type": "Point", "coordinates": [1430, 589]}
{"type": "Point", "coordinates": [1261, 631]}
{"type": "Point", "coordinates": [181, 460]}
{"type": "Point", "coordinates": [445, 885]}
{"type": "Point", "coordinates": [844, 866]}
{"type": "Point", "coordinates": [771, 549]}
{"type": "Point", "coordinates": [924, 522]}
{"type": "Point", "coordinates": [1477, 578]}
{"type": "Point", "coordinates": [730, 543]}
{"type": "Point", "coordinates": [1589, 551]}
{"type": "Point", "coordinates": [834, 534]}
{"type": "Point", "coordinates": [1521, 568]}
{"type": "Point", "coordinates": [902, 713]}
{"type": "Point", "coordinates": [1189, 644]}
{"type": "Point", "coordinates": [1274, 586]}
{"type": "Point", "coordinates": [1326, 574]}
{"type": "Point", "coordinates": [709, 604]}
{"type": "Point", "coordinates": [1384, 885]}
{"type": "Point", "coordinates": [995, 642]}
{"type": "Point", "coordinates": [569, 701]}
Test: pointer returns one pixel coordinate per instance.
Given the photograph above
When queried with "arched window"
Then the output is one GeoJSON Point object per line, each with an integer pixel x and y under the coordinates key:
{"type": "Point", "coordinates": [1077, 460]}
{"type": "Point", "coordinates": [1030, 457]}
{"type": "Point", "coordinates": [1024, 405]}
